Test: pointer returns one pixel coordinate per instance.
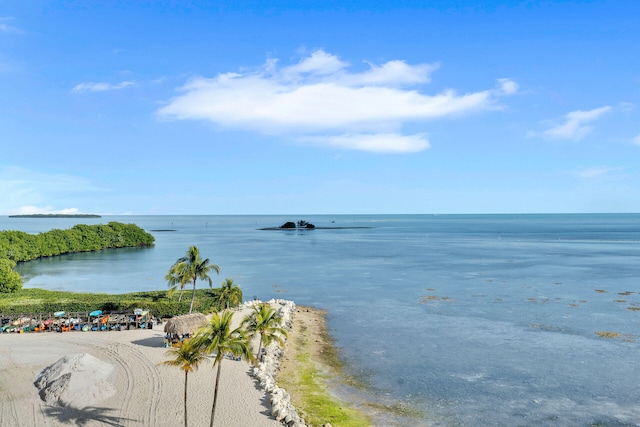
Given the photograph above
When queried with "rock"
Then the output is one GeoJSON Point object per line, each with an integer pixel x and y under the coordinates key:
{"type": "Point", "coordinates": [265, 372]}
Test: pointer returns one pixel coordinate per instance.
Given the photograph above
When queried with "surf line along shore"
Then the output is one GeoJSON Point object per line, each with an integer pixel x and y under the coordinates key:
{"type": "Point", "coordinates": [145, 392]}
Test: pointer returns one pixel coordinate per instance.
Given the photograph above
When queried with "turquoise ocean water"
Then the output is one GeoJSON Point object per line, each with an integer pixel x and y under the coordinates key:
{"type": "Point", "coordinates": [473, 319]}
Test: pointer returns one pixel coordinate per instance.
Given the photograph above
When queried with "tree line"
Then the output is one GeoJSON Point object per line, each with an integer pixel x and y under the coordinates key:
{"type": "Point", "coordinates": [18, 246]}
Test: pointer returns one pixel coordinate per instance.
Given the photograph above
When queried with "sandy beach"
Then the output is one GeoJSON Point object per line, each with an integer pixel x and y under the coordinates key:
{"type": "Point", "coordinates": [146, 393]}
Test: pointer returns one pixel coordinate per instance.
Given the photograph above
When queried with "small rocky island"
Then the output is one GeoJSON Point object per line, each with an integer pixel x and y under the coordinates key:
{"type": "Point", "coordinates": [304, 225]}
{"type": "Point", "coordinates": [299, 224]}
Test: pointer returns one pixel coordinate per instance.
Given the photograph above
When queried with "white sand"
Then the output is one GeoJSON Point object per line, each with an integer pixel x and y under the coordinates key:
{"type": "Point", "coordinates": [146, 393]}
{"type": "Point", "coordinates": [76, 380]}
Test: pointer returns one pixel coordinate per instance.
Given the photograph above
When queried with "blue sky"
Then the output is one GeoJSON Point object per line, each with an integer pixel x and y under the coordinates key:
{"type": "Point", "coordinates": [253, 107]}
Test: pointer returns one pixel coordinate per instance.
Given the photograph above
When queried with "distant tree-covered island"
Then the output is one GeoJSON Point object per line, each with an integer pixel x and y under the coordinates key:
{"type": "Point", "coordinates": [18, 246]}
{"type": "Point", "coordinates": [56, 216]}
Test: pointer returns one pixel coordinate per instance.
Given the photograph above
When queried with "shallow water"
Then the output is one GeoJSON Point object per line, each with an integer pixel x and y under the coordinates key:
{"type": "Point", "coordinates": [473, 319]}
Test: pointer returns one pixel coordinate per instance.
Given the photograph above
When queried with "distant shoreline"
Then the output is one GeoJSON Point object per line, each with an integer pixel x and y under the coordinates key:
{"type": "Point", "coordinates": [56, 216]}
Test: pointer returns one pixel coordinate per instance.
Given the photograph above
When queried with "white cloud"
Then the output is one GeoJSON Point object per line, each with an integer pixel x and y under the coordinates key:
{"type": "Point", "coordinates": [636, 140]}
{"type": "Point", "coordinates": [508, 86]}
{"type": "Point", "coordinates": [6, 28]}
{"type": "Point", "coordinates": [23, 189]}
{"type": "Point", "coordinates": [319, 63]}
{"type": "Point", "coordinates": [320, 95]}
{"type": "Point", "coordinates": [596, 172]}
{"type": "Point", "coordinates": [575, 126]}
{"type": "Point", "coordinates": [626, 107]}
{"type": "Point", "coordinates": [100, 87]}
{"type": "Point", "coordinates": [380, 142]}
{"type": "Point", "coordinates": [32, 210]}
{"type": "Point", "coordinates": [392, 73]}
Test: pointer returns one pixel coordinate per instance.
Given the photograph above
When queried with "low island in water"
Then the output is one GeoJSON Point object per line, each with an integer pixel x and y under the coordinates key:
{"type": "Point", "coordinates": [304, 225]}
{"type": "Point", "coordinates": [56, 216]}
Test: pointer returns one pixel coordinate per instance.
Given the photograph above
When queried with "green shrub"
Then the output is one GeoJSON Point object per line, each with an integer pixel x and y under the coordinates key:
{"type": "Point", "coordinates": [10, 281]}
{"type": "Point", "coordinates": [18, 246]}
{"type": "Point", "coordinates": [30, 301]}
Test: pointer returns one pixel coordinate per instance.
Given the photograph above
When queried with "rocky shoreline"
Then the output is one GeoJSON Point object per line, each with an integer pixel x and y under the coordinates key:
{"type": "Point", "coordinates": [265, 371]}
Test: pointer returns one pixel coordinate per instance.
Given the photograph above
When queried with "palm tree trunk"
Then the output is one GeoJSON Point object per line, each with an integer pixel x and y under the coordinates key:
{"type": "Point", "coordinates": [259, 349]}
{"type": "Point", "coordinates": [215, 393]}
{"type": "Point", "coordinates": [186, 377]}
{"type": "Point", "coordinates": [180, 297]}
{"type": "Point", "coordinates": [193, 296]}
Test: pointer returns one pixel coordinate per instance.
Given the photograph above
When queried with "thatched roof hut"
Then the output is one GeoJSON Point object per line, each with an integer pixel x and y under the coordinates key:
{"type": "Point", "coordinates": [185, 324]}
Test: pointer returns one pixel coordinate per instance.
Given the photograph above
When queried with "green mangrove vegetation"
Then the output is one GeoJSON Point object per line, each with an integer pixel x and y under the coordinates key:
{"type": "Point", "coordinates": [18, 246]}
{"type": "Point", "coordinates": [10, 281]}
{"type": "Point", "coordinates": [160, 303]}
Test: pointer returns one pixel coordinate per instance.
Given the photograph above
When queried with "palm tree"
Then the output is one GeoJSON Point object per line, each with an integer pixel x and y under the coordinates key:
{"type": "Point", "coordinates": [187, 357]}
{"type": "Point", "coordinates": [174, 279]}
{"type": "Point", "coordinates": [191, 268]}
{"type": "Point", "coordinates": [217, 337]}
{"type": "Point", "coordinates": [265, 321]}
{"type": "Point", "coordinates": [230, 295]}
